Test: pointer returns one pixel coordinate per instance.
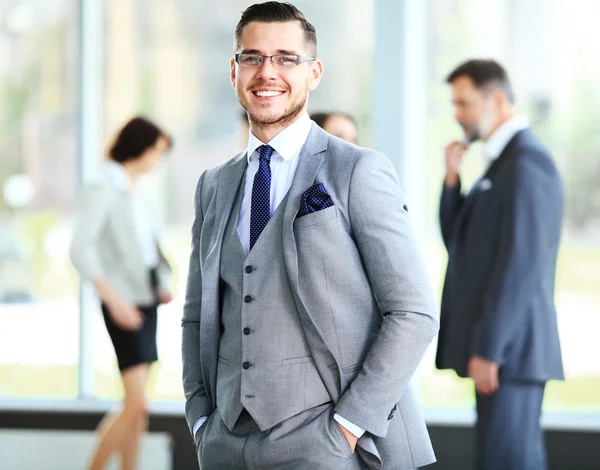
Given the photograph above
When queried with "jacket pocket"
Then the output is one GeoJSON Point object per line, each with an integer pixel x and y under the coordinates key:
{"type": "Point", "coordinates": [296, 360]}
{"type": "Point", "coordinates": [351, 372]}
{"type": "Point", "coordinates": [224, 361]}
{"type": "Point", "coordinates": [353, 368]}
{"type": "Point", "coordinates": [316, 217]}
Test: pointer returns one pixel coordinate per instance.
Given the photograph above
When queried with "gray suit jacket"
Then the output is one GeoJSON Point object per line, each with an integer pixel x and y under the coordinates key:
{"type": "Point", "coordinates": [360, 288]}
{"type": "Point", "coordinates": [502, 242]}
{"type": "Point", "coordinates": [105, 245]}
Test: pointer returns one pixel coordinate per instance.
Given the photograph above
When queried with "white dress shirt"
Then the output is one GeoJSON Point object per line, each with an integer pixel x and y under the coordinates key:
{"type": "Point", "coordinates": [498, 141]}
{"type": "Point", "coordinates": [143, 218]}
{"type": "Point", "coordinates": [284, 161]}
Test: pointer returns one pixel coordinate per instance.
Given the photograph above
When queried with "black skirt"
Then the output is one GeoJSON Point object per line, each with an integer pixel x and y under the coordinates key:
{"type": "Point", "coordinates": [134, 347]}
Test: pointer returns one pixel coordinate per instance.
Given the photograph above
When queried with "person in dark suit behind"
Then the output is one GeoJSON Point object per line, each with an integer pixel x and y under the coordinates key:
{"type": "Point", "coordinates": [498, 320]}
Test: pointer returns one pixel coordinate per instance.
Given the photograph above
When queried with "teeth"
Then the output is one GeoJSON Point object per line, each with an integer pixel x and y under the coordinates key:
{"type": "Point", "coordinates": [267, 93]}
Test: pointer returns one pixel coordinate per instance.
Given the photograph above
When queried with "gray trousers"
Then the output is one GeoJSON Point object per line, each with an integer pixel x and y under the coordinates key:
{"type": "Point", "coordinates": [509, 435]}
{"type": "Point", "coordinates": [311, 440]}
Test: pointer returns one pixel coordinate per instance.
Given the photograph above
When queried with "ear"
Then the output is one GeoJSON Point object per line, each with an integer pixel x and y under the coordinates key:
{"type": "Point", "coordinates": [232, 71]}
{"type": "Point", "coordinates": [316, 73]}
{"type": "Point", "coordinates": [500, 98]}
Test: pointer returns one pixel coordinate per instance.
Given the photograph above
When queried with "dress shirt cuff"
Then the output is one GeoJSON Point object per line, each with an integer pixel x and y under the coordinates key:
{"type": "Point", "coordinates": [198, 424]}
{"type": "Point", "coordinates": [353, 428]}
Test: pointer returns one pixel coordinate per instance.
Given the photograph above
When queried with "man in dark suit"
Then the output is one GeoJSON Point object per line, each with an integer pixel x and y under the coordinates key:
{"type": "Point", "coordinates": [498, 321]}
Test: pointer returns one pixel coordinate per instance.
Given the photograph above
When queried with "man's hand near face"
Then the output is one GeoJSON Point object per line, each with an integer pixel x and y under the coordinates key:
{"type": "Point", "coordinates": [455, 152]}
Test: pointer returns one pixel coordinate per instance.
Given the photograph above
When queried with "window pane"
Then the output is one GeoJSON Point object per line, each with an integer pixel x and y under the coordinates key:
{"type": "Point", "coordinates": [38, 165]}
{"type": "Point", "coordinates": [556, 87]}
{"type": "Point", "coordinates": [170, 60]}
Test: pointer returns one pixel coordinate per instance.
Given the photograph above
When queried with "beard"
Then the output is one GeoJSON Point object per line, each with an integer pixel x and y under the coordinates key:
{"type": "Point", "coordinates": [474, 132]}
{"type": "Point", "coordinates": [471, 131]}
{"type": "Point", "coordinates": [294, 109]}
{"type": "Point", "coordinates": [477, 130]}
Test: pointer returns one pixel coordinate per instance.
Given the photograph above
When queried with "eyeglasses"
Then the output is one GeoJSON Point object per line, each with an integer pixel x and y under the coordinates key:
{"type": "Point", "coordinates": [283, 61]}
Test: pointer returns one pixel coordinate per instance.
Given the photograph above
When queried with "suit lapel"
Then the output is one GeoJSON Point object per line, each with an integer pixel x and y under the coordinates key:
{"type": "Point", "coordinates": [489, 174]}
{"type": "Point", "coordinates": [310, 160]}
{"type": "Point", "coordinates": [228, 186]}
{"type": "Point", "coordinates": [468, 204]}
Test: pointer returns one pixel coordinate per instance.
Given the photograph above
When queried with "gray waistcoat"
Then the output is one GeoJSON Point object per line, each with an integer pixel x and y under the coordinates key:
{"type": "Point", "coordinates": [265, 364]}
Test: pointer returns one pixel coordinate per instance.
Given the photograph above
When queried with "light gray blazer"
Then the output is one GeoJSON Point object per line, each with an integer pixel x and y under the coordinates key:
{"type": "Point", "coordinates": [105, 244]}
{"type": "Point", "coordinates": [360, 288]}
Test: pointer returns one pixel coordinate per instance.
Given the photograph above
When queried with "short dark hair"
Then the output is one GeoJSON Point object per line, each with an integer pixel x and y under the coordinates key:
{"type": "Point", "coordinates": [276, 12]}
{"type": "Point", "coordinates": [486, 74]}
{"type": "Point", "coordinates": [134, 138]}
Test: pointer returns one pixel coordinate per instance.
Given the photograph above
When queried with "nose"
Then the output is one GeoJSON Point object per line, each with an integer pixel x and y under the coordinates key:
{"type": "Point", "coordinates": [458, 115]}
{"type": "Point", "coordinates": [266, 69]}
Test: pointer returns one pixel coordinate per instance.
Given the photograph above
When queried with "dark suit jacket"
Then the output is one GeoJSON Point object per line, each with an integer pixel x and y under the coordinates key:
{"type": "Point", "coordinates": [502, 241]}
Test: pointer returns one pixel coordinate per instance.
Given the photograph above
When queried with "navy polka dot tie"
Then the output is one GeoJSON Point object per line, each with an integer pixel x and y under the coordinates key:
{"type": "Point", "coordinates": [260, 210]}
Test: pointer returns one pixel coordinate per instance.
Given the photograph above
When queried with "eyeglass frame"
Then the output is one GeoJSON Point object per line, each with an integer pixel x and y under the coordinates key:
{"type": "Point", "coordinates": [301, 59]}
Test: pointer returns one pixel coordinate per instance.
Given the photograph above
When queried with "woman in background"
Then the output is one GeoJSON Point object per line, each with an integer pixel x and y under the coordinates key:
{"type": "Point", "coordinates": [115, 247]}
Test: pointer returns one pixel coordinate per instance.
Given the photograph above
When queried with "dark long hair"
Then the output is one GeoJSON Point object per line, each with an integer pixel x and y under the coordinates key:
{"type": "Point", "coordinates": [134, 138]}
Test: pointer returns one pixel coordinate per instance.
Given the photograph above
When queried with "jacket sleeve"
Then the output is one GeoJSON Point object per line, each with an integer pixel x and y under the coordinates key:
{"type": "Point", "coordinates": [531, 215]}
{"type": "Point", "coordinates": [450, 203]}
{"type": "Point", "coordinates": [165, 273]}
{"type": "Point", "coordinates": [164, 269]}
{"type": "Point", "coordinates": [91, 217]}
{"type": "Point", "coordinates": [197, 404]}
{"type": "Point", "coordinates": [400, 283]}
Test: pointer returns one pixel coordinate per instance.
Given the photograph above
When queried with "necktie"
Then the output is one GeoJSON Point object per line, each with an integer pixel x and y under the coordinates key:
{"type": "Point", "coordinates": [260, 210]}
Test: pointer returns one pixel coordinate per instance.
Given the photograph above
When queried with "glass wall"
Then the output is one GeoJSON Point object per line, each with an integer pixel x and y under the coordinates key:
{"type": "Point", "coordinates": [169, 59]}
{"type": "Point", "coordinates": [546, 47]}
{"type": "Point", "coordinates": [38, 164]}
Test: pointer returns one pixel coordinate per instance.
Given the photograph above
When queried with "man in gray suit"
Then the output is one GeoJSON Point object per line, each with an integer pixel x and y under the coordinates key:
{"type": "Point", "coordinates": [308, 307]}
{"type": "Point", "coordinates": [498, 321]}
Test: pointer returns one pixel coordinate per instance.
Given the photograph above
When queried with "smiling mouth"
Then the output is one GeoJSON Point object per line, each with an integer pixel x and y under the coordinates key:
{"type": "Point", "coordinates": [267, 94]}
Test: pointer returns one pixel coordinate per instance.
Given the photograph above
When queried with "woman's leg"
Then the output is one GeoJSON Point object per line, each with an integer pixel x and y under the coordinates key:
{"type": "Point", "coordinates": [136, 403]}
{"type": "Point", "coordinates": [121, 431]}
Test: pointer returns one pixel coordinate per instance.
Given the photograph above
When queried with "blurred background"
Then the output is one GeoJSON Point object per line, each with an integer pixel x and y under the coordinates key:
{"type": "Point", "coordinates": [72, 71]}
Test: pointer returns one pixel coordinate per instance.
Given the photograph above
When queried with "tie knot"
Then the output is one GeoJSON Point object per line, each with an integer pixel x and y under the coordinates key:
{"type": "Point", "coordinates": [265, 152]}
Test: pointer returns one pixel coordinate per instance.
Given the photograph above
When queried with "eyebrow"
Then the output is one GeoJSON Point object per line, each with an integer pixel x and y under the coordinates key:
{"type": "Point", "coordinates": [278, 52]}
{"type": "Point", "coordinates": [287, 52]}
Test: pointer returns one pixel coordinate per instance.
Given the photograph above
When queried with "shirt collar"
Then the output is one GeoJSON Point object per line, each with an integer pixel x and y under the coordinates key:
{"type": "Point", "coordinates": [117, 176]}
{"type": "Point", "coordinates": [287, 143]}
{"type": "Point", "coordinates": [498, 141]}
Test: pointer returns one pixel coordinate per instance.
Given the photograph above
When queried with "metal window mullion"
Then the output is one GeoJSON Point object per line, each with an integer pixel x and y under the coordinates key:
{"type": "Point", "coordinates": [90, 106]}
{"type": "Point", "coordinates": [399, 101]}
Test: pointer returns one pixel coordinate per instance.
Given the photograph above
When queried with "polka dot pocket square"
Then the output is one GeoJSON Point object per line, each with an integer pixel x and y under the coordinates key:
{"type": "Point", "coordinates": [314, 199]}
